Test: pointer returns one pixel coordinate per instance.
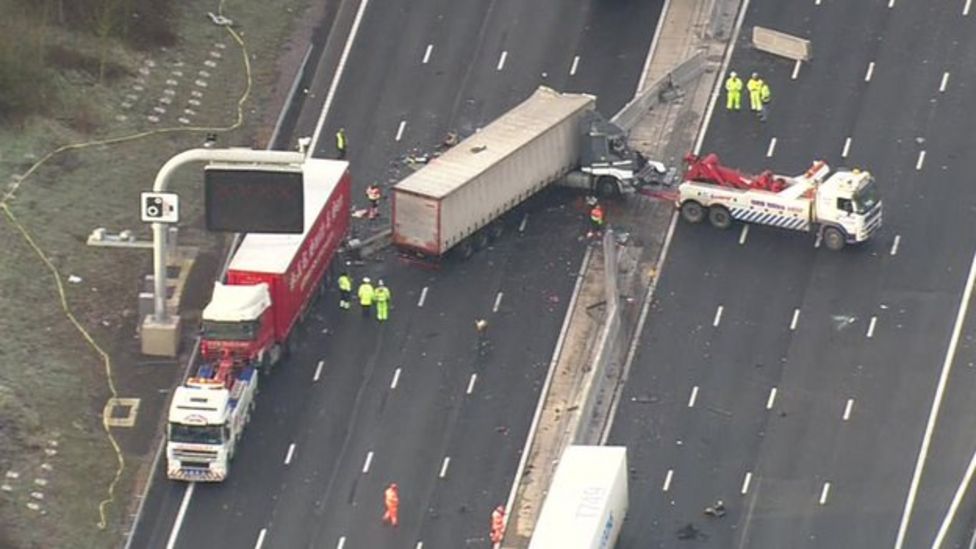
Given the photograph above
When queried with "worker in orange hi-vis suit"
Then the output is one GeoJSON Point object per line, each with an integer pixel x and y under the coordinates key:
{"type": "Point", "coordinates": [391, 498]}
{"type": "Point", "coordinates": [498, 524]}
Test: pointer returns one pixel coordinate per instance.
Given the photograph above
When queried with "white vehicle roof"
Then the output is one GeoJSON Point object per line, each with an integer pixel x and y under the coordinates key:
{"type": "Point", "coordinates": [273, 253]}
{"type": "Point", "coordinates": [199, 403]}
{"type": "Point", "coordinates": [589, 485]}
{"type": "Point", "coordinates": [541, 111]}
{"type": "Point", "coordinates": [237, 303]}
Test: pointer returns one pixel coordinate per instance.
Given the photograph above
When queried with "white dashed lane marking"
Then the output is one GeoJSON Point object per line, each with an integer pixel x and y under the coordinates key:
{"type": "Point", "coordinates": [368, 462]}
{"type": "Point", "coordinates": [430, 48]}
{"type": "Point", "coordinates": [870, 72]}
{"type": "Point", "coordinates": [771, 399]}
{"type": "Point", "coordinates": [290, 454]}
{"type": "Point", "coordinates": [693, 397]}
{"type": "Point", "coordinates": [501, 60]}
{"type": "Point", "coordinates": [396, 378]}
{"type": "Point", "coordinates": [667, 480]}
{"type": "Point", "coordinates": [745, 483]}
{"type": "Point", "coordinates": [848, 408]}
{"type": "Point", "coordinates": [718, 316]}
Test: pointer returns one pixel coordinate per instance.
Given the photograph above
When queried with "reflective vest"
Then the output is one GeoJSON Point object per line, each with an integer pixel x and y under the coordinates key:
{"type": "Point", "coordinates": [596, 215]}
{"type": "Point", "coordinates": [733, 84]}
{"type": "Point", "coordinates": [381, 294]}
{"type": "Point", "coordinates": [345, 283]}
{"type": "Point", "coordinates": [764, 93]}
{"type": "Point", "coordinates": [365, 294]}
{"type": "Point", "coordinates": [391, 497]}
{"type": "Point", "coordinates": [373, 192]}
{"type": "Point", "coordinates": [341, 140]}
{"type": "Point", "coordinates": [754, 85]}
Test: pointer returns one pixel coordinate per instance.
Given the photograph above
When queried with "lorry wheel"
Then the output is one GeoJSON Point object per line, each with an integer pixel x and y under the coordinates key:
{"type": "Point", "coordinates": [606, 187]}
{"type": "Point", "coordinates": [719, 217]}
{"type": "Point", "coordinates": [465, 249]}
{"type": "Point", "coordinates": [496, 229]}
{"type": "Point", "coordinates": [482, 239]}
{"type": "Point", "coordinates": [834, 239]}
{"type": "Point", "coordinates": [692, 212]}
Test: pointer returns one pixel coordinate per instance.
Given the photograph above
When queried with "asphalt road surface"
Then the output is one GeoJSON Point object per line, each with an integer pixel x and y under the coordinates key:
{"type": "Point", "coordinates": [418, 401]}
{"type": "Point", "coordinates": [797, 384]}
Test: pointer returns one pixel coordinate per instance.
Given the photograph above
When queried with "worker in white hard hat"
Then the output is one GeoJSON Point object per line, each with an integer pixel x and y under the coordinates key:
{"type": "Point", "coordinates": [733, 92]}
{"type": "Point", "coordinates": [382, 296]}
{"type": "Point", "coordinates": [366, 295]}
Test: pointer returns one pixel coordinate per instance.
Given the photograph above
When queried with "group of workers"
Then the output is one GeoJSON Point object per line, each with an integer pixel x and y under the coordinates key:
{"type": "Point", "coordinates": [367, 295]}
{"type": "Point", "coordinates": [391, 514]}
{"type": "Point", "coordinates": [759, 94]}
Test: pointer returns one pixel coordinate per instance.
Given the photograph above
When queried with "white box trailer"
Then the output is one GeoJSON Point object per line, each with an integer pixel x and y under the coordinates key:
{"type": "Point", "coordinates": [450, 200]}
{"type": "Point", "coordinates": [587, 500]}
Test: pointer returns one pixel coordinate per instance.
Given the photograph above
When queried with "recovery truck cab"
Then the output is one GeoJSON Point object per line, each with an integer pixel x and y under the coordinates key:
{"type": "Point", "coordinates": [842, 208]}
{"type": "Point", "coordinates": [207, 416]}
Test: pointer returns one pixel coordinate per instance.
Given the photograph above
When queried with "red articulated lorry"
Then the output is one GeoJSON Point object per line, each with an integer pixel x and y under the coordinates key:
{"type": "Point", "coordinates": [273, 278]}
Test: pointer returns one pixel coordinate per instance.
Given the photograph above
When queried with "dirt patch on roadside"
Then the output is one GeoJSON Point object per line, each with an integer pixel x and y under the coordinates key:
{"type": "Point", "coordinates": [56, 461]}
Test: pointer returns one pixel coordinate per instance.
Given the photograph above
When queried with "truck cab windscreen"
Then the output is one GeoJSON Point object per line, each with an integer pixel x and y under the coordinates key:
{"type": "Point", "coordinates": [196, 434]}
{"type": "Point", "coordinates": [230, 331]}
{"type": "Point", "coordinates": [867, 197]}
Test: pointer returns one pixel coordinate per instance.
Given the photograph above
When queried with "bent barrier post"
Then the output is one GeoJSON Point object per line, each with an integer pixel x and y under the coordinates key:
{"type": "Point", "coordinates": [687, 71]}
{"type": "Point", "coordinates": [781, 44]}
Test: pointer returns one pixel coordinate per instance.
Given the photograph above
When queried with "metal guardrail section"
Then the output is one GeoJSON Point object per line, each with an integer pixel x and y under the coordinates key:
{"type": "Point", "coordinates": [782, 44]}
{"type": "Point", "coordinates": [685, 72]}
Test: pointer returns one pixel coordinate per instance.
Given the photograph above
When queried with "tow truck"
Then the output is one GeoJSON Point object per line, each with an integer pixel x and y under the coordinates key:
{"type": "Point", "coordinates": [841, 208]}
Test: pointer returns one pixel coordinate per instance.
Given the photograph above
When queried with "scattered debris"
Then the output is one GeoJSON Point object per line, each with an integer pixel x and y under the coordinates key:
{"type": "Point", "coordinates": [717, 510]}
{"type": "Point", "coordinates": [74, 279]}
{"type": "Point", "coordinates": [220, 20]}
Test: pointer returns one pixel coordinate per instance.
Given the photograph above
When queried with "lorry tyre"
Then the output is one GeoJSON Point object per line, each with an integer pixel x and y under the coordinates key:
{"type": "Point", "coordinates": [719, 217]}
{"type": "Point", "coordinates": [482, 239]}
{"type": "Point", "coordinates": [496, 229]}
{"type": "Point", "coordinates": [834, 239]}
{"type": "Point", "coordinates": [607, 187]}
{"type": "Point", "coordinates": [465, 249]}
{"type": "Point", "coordinates": [692, 212]}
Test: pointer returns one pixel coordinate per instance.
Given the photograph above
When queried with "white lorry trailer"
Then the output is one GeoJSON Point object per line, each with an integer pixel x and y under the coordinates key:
{"type": "Point", "coordinates": [844, 208]}
{"type": "Point", "coordinates": [587, 500]}
{"type": "Point", "coordinates": [457, 199]}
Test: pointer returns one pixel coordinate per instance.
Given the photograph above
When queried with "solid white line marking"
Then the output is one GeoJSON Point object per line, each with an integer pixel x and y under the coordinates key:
{"type": "Point", "coordinates": [318, 371]}
{"type": "Point", "coordinates": [920, 161]}
{"type": "Point", "coordinates": [772, 398]}
{"type": "Point", "coordinates": [772, 147]}
{"type": "Point", "coordinates": [945, 79]}
{"type": "Point", "coordinates": [743, 235]}
{"type": "Point", "coordinates": [874, 322]}
{"type": "Point", "coordinates": [501, 60]}
{"type": "Point", "coordinates": [965, 9]}
{"type": "Point", "coordinates": [338, 74]}
{"type": "Point", "coordinates": [260, 541]}
{"type": "Point", "coordinates": [444, 465]}
{"type": "Point", "coordinates": [824, 492]}
{"type": "Point", "coordinates": [894, 245]}
{"type": "Point", "coordinates": [847, 148]}
{"type": "Point", "coordinates": [848, 408]}
{"type": "Point", "coordinates": [342, 542]}
{"type": "Point", "coordinates": [954, 506]}
{"type": "Point", "coordinates": [423, 297]}
{"type": "Point", "coordinates": [474, 377]}
{"type": "Point", "coordinates": [368, 462]}
{"type": "Point", "coordinates": [796, 318]}
{"type": "Point", "coordinates": [572, 70]}
{"type": "Point", "coordinates": [525, 219]}
{"type": "Point", "coordinates": [498, 302]}
{"type": "Point", "coordinates": [936, 405]}
{"type": "Point", "coordinates": [430, 48]}
{"type": "Point", "coordinates": [667, 480]}
{"type": "Point", "coordinates": [745, 483]}
{"type": "Point", "coordinates": [396, 378]}
{"type": "Point", "coordinates": [796, 68]}
{"type": "Point", "coordinates": [290, 454]}
{"type": "Point", "coordinates": [178, 523]}
{"type": "Point", "coordinates": [399, 134]}
{"type": "Point", "coordinates": [693, 397]}
{"type": "Point", "coordinates": [420, 545]}
{"type": "Point", "coordinates": [891, 3]}
{"type": "Point", "coordinates": [718, 316]}
{"type": "Point", "coordinates": [870, 73]}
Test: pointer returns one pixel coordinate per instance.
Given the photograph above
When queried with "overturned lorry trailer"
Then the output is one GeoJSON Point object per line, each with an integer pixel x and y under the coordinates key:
{"type": "Point", "coordinates": [457, 199]}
